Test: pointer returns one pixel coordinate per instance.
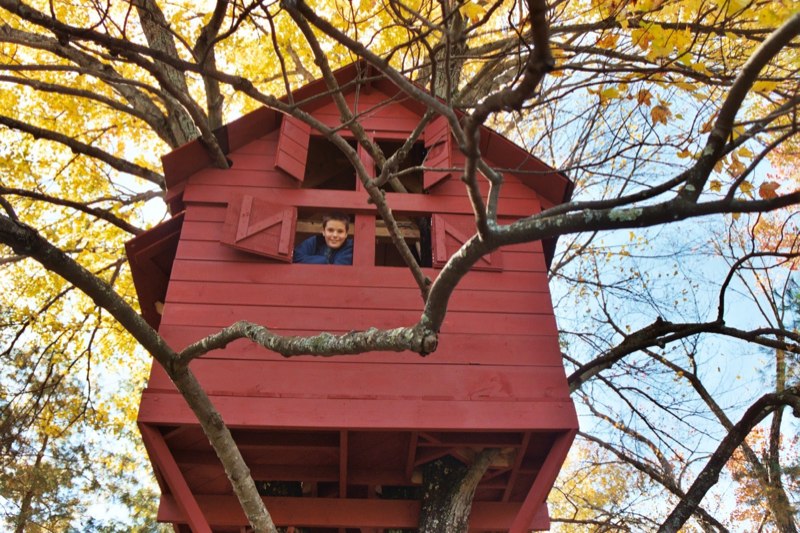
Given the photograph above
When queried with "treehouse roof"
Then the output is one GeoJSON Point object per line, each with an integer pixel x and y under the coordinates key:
{"type": "Point", "coordinates": [551, 186]}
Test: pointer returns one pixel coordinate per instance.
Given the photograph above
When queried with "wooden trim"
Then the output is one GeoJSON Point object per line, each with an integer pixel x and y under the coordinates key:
{"type": "Point", "coordinates": [158, 407]}
{"type": "Point", "coordinates": [162, 458]}
{"type": "Point", "coordinates": [149, 254]}
{"type": "Point", "coordinates": [364, 240]}
{"type": "Point", "coordinates": [343, 465]}
{"type": "Point", "coordinates": [350, 201]}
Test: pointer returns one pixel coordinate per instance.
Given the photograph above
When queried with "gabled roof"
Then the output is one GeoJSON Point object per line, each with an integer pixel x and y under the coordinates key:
{"type": "Point", "coordinates": [552, 187]}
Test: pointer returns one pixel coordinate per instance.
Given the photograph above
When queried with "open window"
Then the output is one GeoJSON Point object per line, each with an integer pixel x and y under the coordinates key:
{"type": "Point", "coordinates": [416, 231]}
{"type": "Point", "coordinates": [327, 167]}
{"type": "Point", "coordinates": [311, 159]}
{"type": "Point", "coordinates": [409, 172]}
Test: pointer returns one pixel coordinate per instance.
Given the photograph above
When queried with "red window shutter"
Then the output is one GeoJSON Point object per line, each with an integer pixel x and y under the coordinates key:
{"type": "Point", "coordinates": [439, 144]}
{"type": "Point", "coordinates": [292, 152]}
{"type": "Point", "coordinates": [259, 227]}
{"type": "Point", "coordinates": [450, 232]}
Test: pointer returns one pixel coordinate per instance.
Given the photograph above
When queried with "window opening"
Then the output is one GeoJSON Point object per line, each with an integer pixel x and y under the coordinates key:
{"type": "Point", "coordinates": [416, 231]}
{"type": "Point", "coordinates": [327, 167]}
{"type": "Point", "coordinates": [410, 177]}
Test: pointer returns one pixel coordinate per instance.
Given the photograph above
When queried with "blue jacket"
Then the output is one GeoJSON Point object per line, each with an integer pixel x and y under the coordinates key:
{"type": "Point", "coordinates": [314, 251]}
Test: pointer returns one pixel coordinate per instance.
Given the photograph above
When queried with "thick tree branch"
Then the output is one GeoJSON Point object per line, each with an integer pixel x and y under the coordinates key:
{"type": "Point", "coordinates": [723, 126]}
{"type": "Point", "coordinates": [415, 338]}
{"type": "Point", "coordinates": [102, 214]}
{"type": "Point", "coordinates": [78, 147]}
{"type": "Point", "coordinates": [709, 476]}
{"type": "Point", "coordinates": [24, 240]}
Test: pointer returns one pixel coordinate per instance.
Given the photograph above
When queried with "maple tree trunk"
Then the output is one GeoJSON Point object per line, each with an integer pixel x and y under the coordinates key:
{"type": "Point", "coordinates": [448, 488]}
{"type": "Point", "coordinates": [27, 500]}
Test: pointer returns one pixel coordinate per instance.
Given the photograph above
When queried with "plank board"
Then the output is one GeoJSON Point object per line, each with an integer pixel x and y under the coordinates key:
{"type": "Point", "coordinates": [361, 297]}
{"type": "Point", "coordinates": [252, 269]}
{"type": "Point", "coordinates": [331, 318]}
{"type": "Point", "coordinates": [355, 201]}
{"type": "Point", "coordinates": [243, 177]}
{"type": "Point", "coordinates": [366, 414]}
{"type": "Point", "coordinates": [355, 380]}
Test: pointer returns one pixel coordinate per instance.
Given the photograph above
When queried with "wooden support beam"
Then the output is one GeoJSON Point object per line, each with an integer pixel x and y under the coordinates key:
{"type": "Point", "coordinates": [224, 511]}
{"type": "Point", "coordinates": [544, 482]}
{"type": "Point", "coordinates": [517, 465]}
{"type": "Point", "coordinates": [343, 464]}
{"type": "Point", "coordinates": [165, 463]}
{"type": "Point", "coordinates": [412, 454]}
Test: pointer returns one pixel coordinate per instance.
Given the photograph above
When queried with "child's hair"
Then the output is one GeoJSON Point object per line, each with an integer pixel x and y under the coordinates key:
{"type": "Point", "coordinates": [341, 217]}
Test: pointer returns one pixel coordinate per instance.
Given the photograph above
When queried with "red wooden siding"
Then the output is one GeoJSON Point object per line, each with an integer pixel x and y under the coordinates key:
{"type": "Point", "coordinates": [377, 113]}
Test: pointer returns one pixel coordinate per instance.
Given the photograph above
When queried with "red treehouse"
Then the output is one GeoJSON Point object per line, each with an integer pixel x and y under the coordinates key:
{"type": "Point", "coordinates": [347, 437]}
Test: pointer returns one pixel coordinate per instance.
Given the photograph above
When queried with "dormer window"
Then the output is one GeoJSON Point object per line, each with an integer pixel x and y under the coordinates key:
{"type": "Point", "coordinates": [327, 167]}
{"type": "Point", "coordinates": [409, 172]}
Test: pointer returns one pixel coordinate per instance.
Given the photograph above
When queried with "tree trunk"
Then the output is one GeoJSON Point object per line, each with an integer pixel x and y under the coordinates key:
{"type": "Point", "coordinates": [26, 503]}
{"type": "Point", "coordinates": [448, 488]}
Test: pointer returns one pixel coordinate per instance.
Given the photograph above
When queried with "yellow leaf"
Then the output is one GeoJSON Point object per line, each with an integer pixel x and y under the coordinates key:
{"type": "Point", "coordinates": [746, 188]}
{"type": "Point", "coordinates": [735, 167]}
{"type": "Point", "coordinates": [607, 94]}
{"type": "Point", "coordinates": [473, 11]}
{"type": "Point", "coordinates": [683, 154]}
{"type": "Point", "coordinates": [765, 86]}
{"type": "Point", "coordinates": [715, 185]}
{"type": "Point", "coordinates": [767, 190]}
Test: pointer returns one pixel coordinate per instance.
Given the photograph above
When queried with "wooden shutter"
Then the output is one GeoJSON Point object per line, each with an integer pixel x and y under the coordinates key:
{"type": "Point", "coordinates": [292, 152]}
{"type": "Point", "coordinates": [259, 227]}
{"type": "Point", "coordinates": [439, 144]}
{"type": "Point", "coordinates": [449, 233]}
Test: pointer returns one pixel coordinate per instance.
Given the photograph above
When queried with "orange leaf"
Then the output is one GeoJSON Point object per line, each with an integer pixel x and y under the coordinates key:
{"type": "Point", "coordinates": [643, 97]}
{"type": "Point", "coordinates": [767, 190]}
{"type": "Point", "coordinates": [660, 113]}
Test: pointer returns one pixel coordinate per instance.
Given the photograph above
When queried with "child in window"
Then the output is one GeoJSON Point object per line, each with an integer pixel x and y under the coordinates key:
{"type": "Point", "coordinates": [331, 247]}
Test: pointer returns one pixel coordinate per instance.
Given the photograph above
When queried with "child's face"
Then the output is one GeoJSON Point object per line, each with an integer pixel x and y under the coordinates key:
{"type": "Point", "coordinates": [335, 233]}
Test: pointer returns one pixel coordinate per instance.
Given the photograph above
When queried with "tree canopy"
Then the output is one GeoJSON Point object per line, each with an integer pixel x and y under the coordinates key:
{"type": "Point", "coordinates": [674, 280]}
